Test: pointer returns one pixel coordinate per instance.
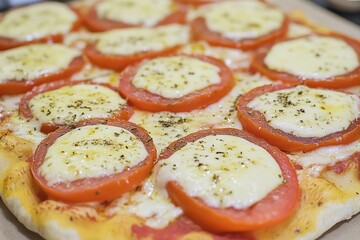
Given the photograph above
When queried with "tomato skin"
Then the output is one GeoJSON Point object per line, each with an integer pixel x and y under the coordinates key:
{"type": "Point", "coordinates": [15, 87]}
{"type": "Point", "coordinates": [7, 43]}
{"type": "Point", "coordinates": [346, 80]}
{"type": "Point", "coordinates": [96, 24]}
{"type": "Point", "coordinates": [202, 32]}
{"type": "Point", "coordinates": [278, 205]}
{"type": "Point", "coordinates": [119, 62]}
{"type": "Point", "coordinates": [95, 189]}
{"type": "Point", "coordinates": [123, 114]}
{"type": "Point", "coordinates": [255, 123]}
{"type": "Point", "coordinates": [145, 100]}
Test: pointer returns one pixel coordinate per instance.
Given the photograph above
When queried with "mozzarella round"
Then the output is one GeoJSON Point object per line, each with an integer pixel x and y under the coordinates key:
{"type": "Point", "coordinates": [71, 104]}
{"type": "Point", "coordinates": [36, 21]}
{"type": "Point", "coordinates": [316, 57]}
{"type": "Point", "coordinates": [138, 40]}
{"type": "Point", "coordinates": [135, 12]}
{"type": "Point", "coordinates": [91, 152]}
{"type": "Point", "coordinates": [33, 61]}
{"type": "Point", "coordinates": [175, 77]}
{"type": "Point", "coordinates": [238, 20]}
{"type": "Point", "coordinates": [308, 112]}
{"type": "Point", "coordinates": [223, 170]}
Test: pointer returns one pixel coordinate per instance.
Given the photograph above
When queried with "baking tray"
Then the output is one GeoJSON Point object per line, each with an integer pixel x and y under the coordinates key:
{"type": "Point", "coordinates": [11, 229]}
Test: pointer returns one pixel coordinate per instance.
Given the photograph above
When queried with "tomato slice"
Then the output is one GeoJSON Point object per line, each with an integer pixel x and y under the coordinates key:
{"type": "Point", "coordinates": [255, 123]}
{"type": "Point", "coordinates": [346, 80]}
{"type": "Point", "coordinates": [95, 189]}
{"type": "Point", "coordinates": [119, 62]}
{"type": "Point", "coordinates": [96, 24]}
{"type": "Point", "coordinates": [17, 87]}
{"type": "Point", "coordinates": [278, 205]}
{"type": "Point", "coordinates": [145, 100]}
{"type": "Point", "coordinates": [7, 43]}
{"type": "Point", "coordinates": [123, 113]}
{"type": "Point", "coordinates": [202, 32]}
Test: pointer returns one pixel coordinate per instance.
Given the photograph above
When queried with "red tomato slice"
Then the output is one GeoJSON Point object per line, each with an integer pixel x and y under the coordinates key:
{"type": "Point", "coordinates": [119, 62]}
{"type": "Point", "coordinates": [278, 205]}
{"type": "Point", "coordinates": [7, 43]}
{"type": "Point", "coordinates": [145, 100]}
{"type": "Point", "coordinates": [17, 87]}
{"type": "Point", "coordinates": [202, 32]}
{"type": "Point", "coordinates": [346, 80]}
{"type": "Point", "coordinates": [124, 113]}
{"type": "Point", "coordinates": [95, 189]}
{"type": "Point", "coordinates": [255, 123]}
{"type": "Point", "coordinates": [96, 24]}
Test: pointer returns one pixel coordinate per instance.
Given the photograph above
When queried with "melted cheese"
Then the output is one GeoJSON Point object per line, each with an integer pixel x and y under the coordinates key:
{"type": "Point", "coordinates": [296, 30]}
{"type": "Point", "coordinates": [138, 40]}
{"type": "Point", "coordinates": [97, 75]}
{"type": "Point", "coordinates": [325, 155]}
{"type": "Point", "coordinates": [91, 152]}
{"type": "Point", "coordinates": [36, 21]}
{"type": "Point", "coordinates": [233, 58]}
{"type": "Point", "coordinates": [148, 203]}
{"type": "Point", "coordinates": [240, 20]}
{"type": "Point", "coordinates": [166, 127]}
{"type": "Point", "coordinates": [33, 61]}
{"type": "Point", "coordinates": [71, 104]}
{"type": "Point", "coordinates": [135, 12]}
{"type": "Point", "coordinates": [315, 57]}
{"type": "Point", "coordinates": [306, 112]}
{"type": "Point", "coordinates": [23, 128]}
{"type": "Point", "coordinates": [222, 170]}
{"type": "Point", "coordinates": [175, 77]}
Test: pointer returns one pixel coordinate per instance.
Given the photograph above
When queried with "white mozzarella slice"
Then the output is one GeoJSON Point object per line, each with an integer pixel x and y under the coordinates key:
{"type": "Point", "coordinates": [136, 12]}
{"type": "Point", "coordinates": [233, 58]}
{"type": "Point", "coordinates": [317, 57]}
{"type": "Point", "coordinates": [175, 77]}
{"type": "Point", "coordinates": [308, 112]}
{"type": "Point", "coordinates": [222, 170]}
{"type": "Point", "coordinates": [166, 127]}
{"type": "Point", "coordinates": [33, 61]}
{"type": "Point", "coordinates": [70, 104]}
{"type": "Point", "coordinates": [297, 30]}
{"type": "Point", "coordinates": [90, 152]}
{"type": "Point", "coordinates": [148, 203]}
{"type": "Point", "coordinates": [132, 41]}
{"type": "Point", "coordinates": [238, 20]}
{"type": "Point", "coordinates": [36, 21]}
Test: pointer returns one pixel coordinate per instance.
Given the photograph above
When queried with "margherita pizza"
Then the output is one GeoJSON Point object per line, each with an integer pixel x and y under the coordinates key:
{"type": "Point", "coordinates": [177, 119]}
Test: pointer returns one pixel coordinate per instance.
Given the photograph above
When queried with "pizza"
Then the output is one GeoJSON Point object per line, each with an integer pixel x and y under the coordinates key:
{"type": "Point", "coordinates": [177, 119]}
